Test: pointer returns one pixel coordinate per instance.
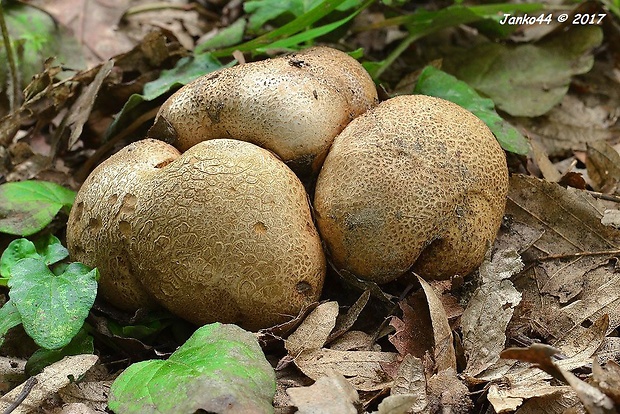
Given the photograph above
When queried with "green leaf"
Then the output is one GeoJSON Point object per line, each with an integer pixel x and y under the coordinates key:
{"type": "Point", "coordinates": [262, 11]}
{"type": "Point", "coordinates": [221, 368]}
{"type": "Point", "coordinates": [527, 80]}
{"type": "Point", "coordinates": [26, 207]}
{"type": "Point", "coordinates": [435, 82]}
{"type": "Point", "coordinates": [227, 36]}
{"type": "Point", "coordinates": [423, 23]}
{"type": "Point", "coordinates": [300, 24]}
{"type": "Point", "coordinates": [52, 307]}
{"type": "Point", "coordinates": [312, 34]}
{"type": "Point", "coordinates": [51, 249]}
{"type": "Point", "coordinates": [9, 318]}
{"type": "Point", "coordinates": [186, 70]}
{"type": "Point", "coordinates": [82, 343]}
{"type": "Point", "coordinates": [16, 250]}
{"type": "Point", "coordinates": [47, 248]}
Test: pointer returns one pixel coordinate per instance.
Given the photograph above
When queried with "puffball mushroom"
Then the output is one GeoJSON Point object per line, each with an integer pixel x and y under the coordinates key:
{"type": "Point", "coordinates": [416, 183]}
{"type": "Point", "coordinates": [222, 232]}
{"type": "Point", "coordinates": [292, 105]}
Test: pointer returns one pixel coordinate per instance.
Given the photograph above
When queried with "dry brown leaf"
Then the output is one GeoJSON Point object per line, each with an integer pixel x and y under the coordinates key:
{"type": "Point", "coordinates": [329, 394]}
{"type": "Point", "coordinates": [51, 380]}
{"type": "Point", "coordinates": [607, 379]}
{"type": "Point", "coordinates": [362, 368]}
{"type": "Point", "coordinates": [346, 321]}
{"type": "Point", "coordinates": [92, 393]}
{"type": "Point", "coordinates": [555, 403]}
{"type": "Point", "coordinates": [609, 350]}
{"type": "Point", "coordinates": [447, 394]}
{"type": "Point", "coordinates": [445, 357]}
{"type": "Point", "coordinates": [544, 164]}
{"type": "Point", "coordinates": [570, 220]}
{"type": "Point", "coordinates": [570, 125]}
{"type": "Point", "coordinates": [595, 401]}
{"type": "Point", "coordinates": [314, 330]}
{"type": "Point", "coordinates": [508, 399]}
{"type": "Point", "coordinates": [611, 217]}
{"type": "Point", "coordinates": [414, 332]}
{"type": "Point", "coordinates": [355, 341]}
{"type": "Point", "coordinates": [399, 404]}
{"type": "Point", "coordinates": [77, 408]}
{"type": "Point", "coordinates": [79, 112]}
{"type": "Point", "coordinates": [489, 310]}
{"type": "Point", "coordinates": [603, 164]}
{"type": "Point", "coordinates": [410, 381]}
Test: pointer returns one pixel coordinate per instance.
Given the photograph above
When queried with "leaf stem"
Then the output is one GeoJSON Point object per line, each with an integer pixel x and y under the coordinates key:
{"type": "Point", "coordinates": [14, 96]}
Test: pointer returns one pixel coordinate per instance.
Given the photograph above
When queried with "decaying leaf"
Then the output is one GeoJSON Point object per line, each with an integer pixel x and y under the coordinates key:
{"type": "Point", "coordinates": [414, 331]}
{"type": "Point", "coordinates": [445, 357]}
{"type": "Point", "coordinates": [487, 315]}
{"type": "Point", "coordinates": [447, 394]}
{"type": "Point", "coordinates": [345, 322]}
{"type": "Point", "coordinates": [410, 381]}
{"type": "Point", "coordinates": [399, 404]}
{"type": "Point", "coordinates": [362, 368]}
{"type": "Point", "coordinates": [570, 223]}
{"type": "Point", "coordinates": [603, 164]}
{"type": "Point", "coordinates": [329, 394]}
{"type": "Point", "coordinates": [314, 330]}
{"type": "Point", "coordinates": [595, 401]}
{"type": "Point", "coordinates": [355, 341]}
{"type": "Point", "coordinates": [51, 380]}
{"type": "Point", "coordinates": [607, 379]}
{"type": "Point", "coordinates": [554, 403]}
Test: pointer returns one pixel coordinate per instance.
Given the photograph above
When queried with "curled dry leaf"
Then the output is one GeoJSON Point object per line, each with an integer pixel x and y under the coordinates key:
{"type": "Point", "coordinates": [603, 164]}
{"type": "Point", "coordinates": [445, 357]}
{"type": "Point", "coordinates": [51, 380]}
{"type": "Point", "coordinates": [595, 401]}
{"type": "Point", "coordinates": [314, 330]}
{"type": "Point", "coordinates": [329, 394]}
{"type": "Point", "coordinates": [486, 317]}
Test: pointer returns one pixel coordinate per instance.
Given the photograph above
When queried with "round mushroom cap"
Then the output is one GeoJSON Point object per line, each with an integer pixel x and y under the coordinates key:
{"type": "Point", "coordinates": [221, 233]}
{"type": "Point", "coordinates": [417, 183]}
{"type": "Point", "coordinates": [101, 215]}
{"type": "Point", "coordinates": [292, 108]}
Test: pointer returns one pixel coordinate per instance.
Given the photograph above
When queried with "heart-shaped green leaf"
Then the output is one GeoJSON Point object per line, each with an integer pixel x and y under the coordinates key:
{"type": "Point", "coordinates": [52, 307]}
{"type": "Point", "coordinates": [220, 369]}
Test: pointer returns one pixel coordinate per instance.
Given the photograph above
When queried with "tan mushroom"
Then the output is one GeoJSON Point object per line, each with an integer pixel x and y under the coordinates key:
{"type": "Point", "coordinates": [416, 183]}
{"type": "Point", "coordinates": [222, 232]}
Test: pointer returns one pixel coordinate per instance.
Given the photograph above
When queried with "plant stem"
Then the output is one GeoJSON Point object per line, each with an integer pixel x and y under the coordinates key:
{"type": "Point", "coordinates": [14, 96]}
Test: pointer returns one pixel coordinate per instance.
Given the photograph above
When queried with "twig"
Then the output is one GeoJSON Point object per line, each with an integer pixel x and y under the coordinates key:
{"type": "Point", "coordinates": [28, 386]}
{"type": "Point", "coordinates": [578, 254]}
{"type": "Point", "coordinates": [602, 196]}
{"type": "Point", "coordinates": [14, 96]}
{"type": "Point", "coordinates": [94, 159]}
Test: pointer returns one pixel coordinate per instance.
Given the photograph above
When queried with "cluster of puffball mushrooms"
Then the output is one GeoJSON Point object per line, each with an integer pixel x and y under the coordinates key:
{"type": "Point", "coordinates": [209, 219]}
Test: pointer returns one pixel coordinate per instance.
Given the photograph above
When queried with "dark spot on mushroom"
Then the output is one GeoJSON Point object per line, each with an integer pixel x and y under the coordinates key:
{"type": "Point", "coordinates": [303, 287]}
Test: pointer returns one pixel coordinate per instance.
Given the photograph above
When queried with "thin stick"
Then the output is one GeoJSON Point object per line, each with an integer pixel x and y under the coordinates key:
{"type": "Point", "coordinates": [578, 254]}
{"type": "Point", "coordinates": [94, 159]}
{"type": "Point", "coordinates": [28, 386]}
{"type": "Point", "coordinates": [14, 96]}
{"type": "Point", "coordinates": [608, 197]}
